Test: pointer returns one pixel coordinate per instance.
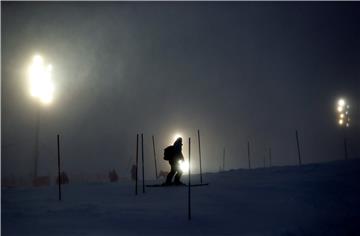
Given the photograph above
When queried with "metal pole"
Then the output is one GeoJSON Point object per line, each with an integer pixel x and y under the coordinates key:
{"type": "Point", "coordinates": [265, 158]}
{"type": "Point", "coordinates": [345, 145]}
{"type": "Point", "coordinates": [189, 186]}
{"type": "Point", "coordinates": [270, 157]}
{"type": "Point", "coordinates": [298, 146]}
{"type": "Point", "coordinates": [345, 148]}
{"type": "Point", "coordinates": [200, 156]}
{"type": "Point", "coordinates": [142, 157]}
{"type": "Point", "coordinates": [137, 164]}
{"type": "Point", "coordinates": [249, 154]}
{"type": "Point", "coordinates": [59, 175]}
{"type": "Point", "coordinates": [224, 159]}
{"type": "Point", "coordinates": [156, 172]}
{"type": "Point", "coordinates": [37, 137]}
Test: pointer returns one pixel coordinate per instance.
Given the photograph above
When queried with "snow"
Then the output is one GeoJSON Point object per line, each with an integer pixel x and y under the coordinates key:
{"type": "Point", "coordinates": [314, 199]}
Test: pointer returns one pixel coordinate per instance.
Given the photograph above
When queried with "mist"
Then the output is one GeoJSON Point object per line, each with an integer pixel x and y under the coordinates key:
{"type": "Point", "coordinates": [237, 71]}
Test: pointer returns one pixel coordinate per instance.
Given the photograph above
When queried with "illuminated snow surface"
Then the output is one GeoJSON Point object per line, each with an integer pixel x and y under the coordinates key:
{"type": "Point", "coordinates": [316, 199]}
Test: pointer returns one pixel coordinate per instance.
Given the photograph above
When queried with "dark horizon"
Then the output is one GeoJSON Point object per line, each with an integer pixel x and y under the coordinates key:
{"type": "Point", "coordinates": [237, 71]}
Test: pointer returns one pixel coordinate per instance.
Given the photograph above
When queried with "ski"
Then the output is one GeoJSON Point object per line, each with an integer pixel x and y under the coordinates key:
{"type": "Point", "coordinates": [198, 185]}
{"type": "Point", "coordinates": [184, 185]}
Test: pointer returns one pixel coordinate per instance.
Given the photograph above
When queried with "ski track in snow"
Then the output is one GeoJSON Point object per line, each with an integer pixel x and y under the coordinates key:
{"type": "Point", "coordinates": [314, 199]}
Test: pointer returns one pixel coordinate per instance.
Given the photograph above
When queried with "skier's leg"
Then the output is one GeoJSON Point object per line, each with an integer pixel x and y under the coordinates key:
{"type": "Point", "coordinates": [178, 175]}
{"type": "Point", "coordinates": [170, 175]}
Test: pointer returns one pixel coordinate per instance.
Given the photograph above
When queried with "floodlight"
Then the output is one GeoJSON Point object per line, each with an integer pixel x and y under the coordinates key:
{"type": "Point", "coordinates": [41, 84]}
{"type": "Point", "coordinates": [343, 109]}
{"type": "Point", "coordinates": [341, 102]}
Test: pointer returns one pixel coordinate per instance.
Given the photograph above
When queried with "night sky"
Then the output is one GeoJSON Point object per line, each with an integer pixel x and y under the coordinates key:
{"type": "Point", "coordinates": [237, 71]}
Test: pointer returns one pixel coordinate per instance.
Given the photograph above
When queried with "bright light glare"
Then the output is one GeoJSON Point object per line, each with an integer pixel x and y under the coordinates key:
{"type": "Point", "coordinates": [41, 84]}
{"type": "Point", "coordinates": [343, 113]}
{"type": "Point", "coordinates": [341, 102]}
{"type": "Point", "coordinates": [184, 166]}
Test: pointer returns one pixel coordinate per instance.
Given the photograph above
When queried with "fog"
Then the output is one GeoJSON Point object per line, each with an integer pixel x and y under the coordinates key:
{"type": "Point", "coordinates": [237, 71]}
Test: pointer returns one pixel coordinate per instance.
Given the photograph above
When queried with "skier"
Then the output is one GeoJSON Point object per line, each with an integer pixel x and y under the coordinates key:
{"type": "Point", "coordinates": [174, 155]}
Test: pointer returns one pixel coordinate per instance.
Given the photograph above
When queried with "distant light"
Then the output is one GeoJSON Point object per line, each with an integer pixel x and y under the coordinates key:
{"type": "Point", "coordinates": [343, 112]}
{"type": "Point", "coordinates": [341, 102]}
{"type": "Point", "coordinates": [184, 166]}
{"type": "Point", "coordinates": [41, 84]}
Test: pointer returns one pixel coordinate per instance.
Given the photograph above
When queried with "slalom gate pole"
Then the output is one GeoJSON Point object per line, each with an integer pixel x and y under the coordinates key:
{"type": "Point", "coordinates": [298, 146]}
{"type": "Point", "coordinates": [345, 144]}
{"type": "Point", "coordinates": [156, 172]}
{"type": "Point", "coordinates": [265, 158]}
{"type": "Point", "coordinates": [142, 157]}
{"type": "Point", "coordinates": [249, 154]}
{"type": "Point", "coordinates": [223, 160]}
{"type": "Point", "coordinates": [137, 164]}
{"type": "Point", "coordinates": [189, 186]}
{"type": "Point", "coordinates": [59, 175]}
{"type": "Point", "coordinates": [200, 156]}
{"type": "Point", "coordinates": [270, 157]}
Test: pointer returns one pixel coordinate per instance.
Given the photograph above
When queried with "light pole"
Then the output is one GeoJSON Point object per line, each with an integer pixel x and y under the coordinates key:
{"type": "Point", "coordinates": [343, 112]}
{"type": "Point", "coordinates": [42, 89]}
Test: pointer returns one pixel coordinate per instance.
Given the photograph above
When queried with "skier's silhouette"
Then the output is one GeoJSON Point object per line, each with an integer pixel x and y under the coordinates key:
{"type": "Point", "coordinates": [175, 157]}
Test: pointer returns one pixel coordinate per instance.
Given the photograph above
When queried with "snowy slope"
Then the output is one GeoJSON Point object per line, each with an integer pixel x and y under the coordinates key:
{"type": "Point", "coordinates": [316, 199]}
